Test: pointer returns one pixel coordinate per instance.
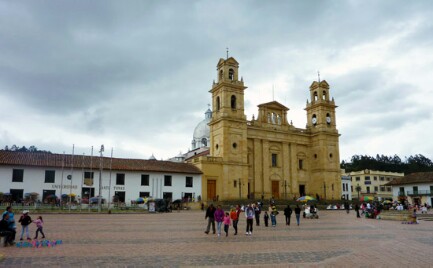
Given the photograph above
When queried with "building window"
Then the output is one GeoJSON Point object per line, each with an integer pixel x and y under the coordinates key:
{"type": "Point", "coordinates": [367, 178]}
{"type": "Point", "coordinates": [144, 180]}
{"type": "Point", "coordinates": [235, 183]}
{"type": "Point", "coordinates": [274, 160]}
{"type": "Point", "coordinates": [351, 188]}
{"type": "Point", "coordinates": [144, 194]}
{"type": "Point", "coordinates": [120, 179]}
{"type": "Point", "coordinates": [88, 178]}
{"type": "Point", "coordinates": [17, 175]}
{"type": "Point", "coordinates": [301, 164]}
{"type": "Point", "coordinates": [376, 189]}
{"type": "Point", "coordinates": [50, 176]}
{"type": "Point", "coordinates": [167, 180]}
{"type": "Point", "coordinates": [358, 178]}
{"type": "Point", "coordinates": [388, 179]}
{"type": "Point", "coordinates": [382, 178]}
{"type": "Point", "coordinates": [233, 102]}
{"type": "Point", "coordinates": [389, 188]}
{"type": "Point", "coordinates": [368, 189]}
{"type": "Point", "coordinates": [231, 74]}
{"type": "Point", "coordinates": [382, 188]}
{"type": "Point", "coordinates": [218, 105]}
{"type": "Point", "coordinates": [188, 182]}
{"type": "Point", "coordinates": [375, 178]}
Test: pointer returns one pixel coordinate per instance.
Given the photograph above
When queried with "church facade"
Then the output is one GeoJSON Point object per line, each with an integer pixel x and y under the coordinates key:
{"type": "Point", "coordinates": [267, 156]}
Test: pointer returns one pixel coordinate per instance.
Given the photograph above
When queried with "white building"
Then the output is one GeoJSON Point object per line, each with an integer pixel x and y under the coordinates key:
{"type": "Point", "coordinates": [346, 186]}
{"type": "Point", "coordinates": [415, 188]}
{"type": "Point", "coordinates": [48, 174]}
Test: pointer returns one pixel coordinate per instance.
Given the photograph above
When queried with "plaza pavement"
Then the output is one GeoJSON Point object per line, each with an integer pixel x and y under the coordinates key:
{"type": "Point", "coordinates": [177, 239]}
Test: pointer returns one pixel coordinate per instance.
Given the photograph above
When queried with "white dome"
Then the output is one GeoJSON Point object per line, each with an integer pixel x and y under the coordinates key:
{"type": "Point", "coordinates": [201, 136]}
{"type": "Point", "coordinates": [202, 130]}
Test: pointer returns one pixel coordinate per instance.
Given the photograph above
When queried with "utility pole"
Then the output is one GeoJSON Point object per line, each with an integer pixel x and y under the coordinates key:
{"type": "Point", "coordinates": [100, 178]}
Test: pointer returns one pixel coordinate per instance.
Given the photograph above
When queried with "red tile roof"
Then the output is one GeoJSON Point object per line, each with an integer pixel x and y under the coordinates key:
{"type": "Point", "coordinates": [88, 162]}
{"type": "Point", "coordinates": [414, 178]}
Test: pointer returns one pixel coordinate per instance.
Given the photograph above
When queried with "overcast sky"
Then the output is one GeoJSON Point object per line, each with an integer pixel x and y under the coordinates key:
{"type": "Point", "coordinates": [135, 75]}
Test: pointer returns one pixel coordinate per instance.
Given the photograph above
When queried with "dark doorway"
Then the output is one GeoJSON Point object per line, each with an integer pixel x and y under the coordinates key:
{"type": "Point", "coordinates": [301, 190]}
{"type": "Point", "coordinates": [46, 193]}
{"type": "Point", "coordinates": [167, 195]}
{"type": "Point", "coordinates": [120, 196]}
{"type": "Point", "coordinates": [17, 194]}
{"type": "Point", "coordinates": [87, 192]}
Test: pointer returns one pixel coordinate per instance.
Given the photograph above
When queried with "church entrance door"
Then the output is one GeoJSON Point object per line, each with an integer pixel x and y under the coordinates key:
{"type": "Point", "coordinates": [276, 189]}
{"type": "Point", "coordinates": [211, 189]}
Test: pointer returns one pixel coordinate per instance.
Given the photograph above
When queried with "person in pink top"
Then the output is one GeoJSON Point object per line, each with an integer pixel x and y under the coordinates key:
{"type": "Point", "coordinates": [226, 223]}
{"type": "Point", "coordinates": [39, 224]}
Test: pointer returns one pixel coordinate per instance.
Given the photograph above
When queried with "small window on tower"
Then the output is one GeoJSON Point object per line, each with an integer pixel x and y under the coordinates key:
{"type": "Point", "coordinates": [233, 102]}
{"type": "Point", "coordinates": [315, 96]}
{"type": "Point", "coordinates": [218, 103]}
{"type": "Point", "coordinates": [324, 95]}
{"type": "Point", "coordinates": [231, 74]}
{"type": "Point", "coordinates": [221, 75]}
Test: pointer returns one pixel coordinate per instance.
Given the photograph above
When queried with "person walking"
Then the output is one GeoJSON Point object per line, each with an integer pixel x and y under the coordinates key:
{"type": "Point", "coordinates": [266, 218]}
{"type": "Point", "coordinates": [249, 214]}
{"type": "Point", "coordinates": [357, 210]}
{"type": "Point", "coordinates": [273, 212]}
{"type": "Point", "coordinates": [219, 218]}
{"type": "Point", "coordinates": [226, 222]}
{"type": "Point", "coordinates": [210, 212]}
{"type": "Point", "coordinates": [288, 214]}
{"type": "Point", "coordinates": [257, 211]}
{"type": "Point", "coordinates": [6, 231]}
{"type": "Point", "coordinates": [298, 214]}
{"type": "Point", "coordinates": [39, 224]}
{"type": "Point", "coordinates": [25, 221]}
{"type": "Point", "coordinates": [234, 215]}
{"type": "Point", "coordinates": [347, 207]}
{"type": "Point", "coordinates": [11, 221]}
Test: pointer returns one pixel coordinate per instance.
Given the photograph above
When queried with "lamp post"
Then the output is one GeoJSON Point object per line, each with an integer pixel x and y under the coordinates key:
{"type": "Point", "coordinates": [324, 190]}
{"type": "Point", "coordinates": [240, 188]}
{"type": "Point", "coordinates": [100, 178]}
{"type": "Point", "coordinates": [285, 188]}
{"type": "Point", "coordinates": [358, 189]}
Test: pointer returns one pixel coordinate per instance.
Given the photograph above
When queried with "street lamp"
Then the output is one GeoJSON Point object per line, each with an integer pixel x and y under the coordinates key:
{"type": "Point", "coordinates": [285, 188]}
{"type": "Point", "coordinates": [358, 189]}
{"type": "Point", "coordinates": [100, 178]}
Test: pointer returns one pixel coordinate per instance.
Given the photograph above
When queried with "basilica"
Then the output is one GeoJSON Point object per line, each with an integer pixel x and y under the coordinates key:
{"type": "Point", "coordinates": [266, 157]}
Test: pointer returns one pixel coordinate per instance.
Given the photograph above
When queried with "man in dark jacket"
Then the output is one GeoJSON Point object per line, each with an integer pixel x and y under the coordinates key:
{"type": "Point", "coordinates": [5, 231]}
{"type": "Point", "coordinates": [288, 214]}
{"type": "Point", "coordinates": [210, 212]}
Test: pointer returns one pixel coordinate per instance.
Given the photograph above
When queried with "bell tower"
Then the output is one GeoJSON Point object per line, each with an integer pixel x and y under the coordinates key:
{"type": "Point", "coordinates": [228, 127]}
{"type": "Point", "coordinates": [321, 109]}
{"type": "Point", "coordinates": [324, 147]}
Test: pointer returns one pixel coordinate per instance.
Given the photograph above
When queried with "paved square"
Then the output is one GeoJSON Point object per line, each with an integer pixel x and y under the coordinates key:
{"type": "Point", "coordinates": [177, 239]}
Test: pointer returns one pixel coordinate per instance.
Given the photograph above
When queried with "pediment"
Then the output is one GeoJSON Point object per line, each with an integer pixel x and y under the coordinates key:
{"type": "Point", "coordinates": [229, 61]}
{"type": "Point", "coordinates": [273, 105]}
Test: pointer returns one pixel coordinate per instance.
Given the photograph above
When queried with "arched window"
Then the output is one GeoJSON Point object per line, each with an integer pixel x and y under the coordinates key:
{"type": "Point", "coordinates": [221, 75]}
{"type": "Point", "coordinates": [218, 103]}
{"type": "Point", "coordinates": [324, 95]}
{"type": "Point", "coordinates": [315, 96]}
{"type": "Point", "coordinates": [233, 102]}
{"type": "Point", "coordinates": [204, 142]}
{"type": "Point", "coordinates": [231, 74]}
{"type": "Point", "coordinates": [278, 119]}
{"type": "Point", "coordinates": [269, 118]}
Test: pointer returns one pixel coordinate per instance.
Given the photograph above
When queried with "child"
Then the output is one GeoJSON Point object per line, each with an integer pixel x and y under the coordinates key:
{"type": "Point", "coordinates": [25, 222]}
{"type": "Point", "coordinates": [226, 223]}
{"type": "Point", "coordinates": [266, 218]}
{"type": "Point", "coordinates": [39, 223]}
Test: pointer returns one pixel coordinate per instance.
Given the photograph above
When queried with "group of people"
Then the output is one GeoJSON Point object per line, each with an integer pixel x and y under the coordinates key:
{"type": "Point", "coordinates": [252, 211]}
{"type": "Point", "coordinates": [8, 226]}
